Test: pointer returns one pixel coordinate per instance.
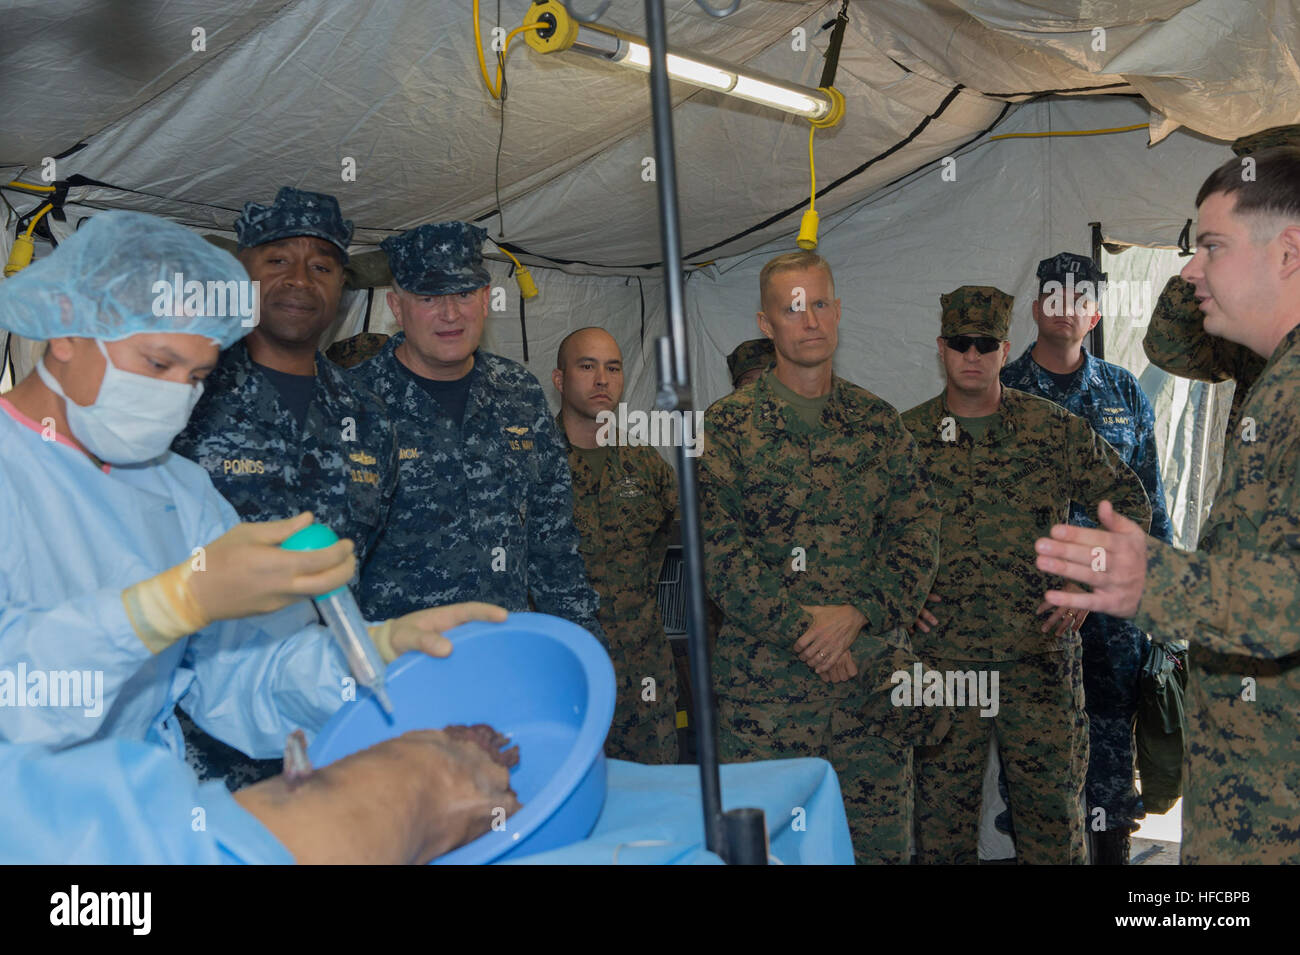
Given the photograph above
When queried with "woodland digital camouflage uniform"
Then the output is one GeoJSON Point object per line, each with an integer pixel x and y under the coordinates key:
{"type": "Point", "coordinates": [799, 516]}
{"type": "Point", "coordinates": [484, 507]}
{"type": "Point", "coordinates": [624, 515]}
{"type": "Point", "coordinates": [1176, 340]}
{"type": "Point", "coordinates": [1110, 399]}
{"type": "Point", "coordinates": [1237, 601]}
{"type": "Point", "coordinates": [998, 495]}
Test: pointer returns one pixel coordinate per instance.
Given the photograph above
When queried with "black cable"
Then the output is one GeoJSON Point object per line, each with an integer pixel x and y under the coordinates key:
{"type": "Point", "coordinates": [523, 326]}
{"type": "Point", "coordinates": [852, 173]}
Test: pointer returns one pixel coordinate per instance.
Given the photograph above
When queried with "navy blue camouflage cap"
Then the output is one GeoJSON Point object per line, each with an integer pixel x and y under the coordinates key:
{"type": "Point", "coordinates": [1064, 264]}
{"type": "Point", "coordinates": [438, 258]}
{"type": "Point", "coordinates": [294, 212]}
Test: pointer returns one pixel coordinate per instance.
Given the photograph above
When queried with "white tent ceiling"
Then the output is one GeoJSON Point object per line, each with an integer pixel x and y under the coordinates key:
{"type": "Point", "coordinates": [286, 89]}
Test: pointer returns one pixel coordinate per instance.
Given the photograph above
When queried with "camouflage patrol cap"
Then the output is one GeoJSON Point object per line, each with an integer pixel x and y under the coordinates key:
{"type": "Point", "coordinates": [1266, 139]}
{"type": "Point", "coordinates": [1064, 264]}
{"type": "Point", "coordinates": [757, 353]}
{"type": "Point", "coordinates": [294, 212]}
{"type": "Point", "coordinates": [350, 352]}
{"type": "Point", "coordinates": [976, 310]}
{"type": "Point", "coordinates": [438, 258]}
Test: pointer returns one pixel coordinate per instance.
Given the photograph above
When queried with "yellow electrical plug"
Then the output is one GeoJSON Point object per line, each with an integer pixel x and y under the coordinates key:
{"type": "Point", "coordinates": [20, 256]}
{"type": "Point", "coordinates": [808, 230]}
{"type": "Point", "coordinates": [527, 287]}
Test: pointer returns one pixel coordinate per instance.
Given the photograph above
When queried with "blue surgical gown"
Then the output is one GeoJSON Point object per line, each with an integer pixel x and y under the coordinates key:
{"type": "Point", "coordinates": [121, 802]}
{"type": "Point", "coordinates": [72, 538]}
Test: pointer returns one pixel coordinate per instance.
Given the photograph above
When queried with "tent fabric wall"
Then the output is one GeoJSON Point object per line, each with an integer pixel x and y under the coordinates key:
{"type": "Point", "coordinates": [1217, 66]}
{"type": "Point", "coordinates": [285, 90]}
{"type": "Point", "coordinates": [1013, 203]}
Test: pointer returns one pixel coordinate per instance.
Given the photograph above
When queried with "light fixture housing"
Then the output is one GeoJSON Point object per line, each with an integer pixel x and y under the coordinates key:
{"type": "Point", "coordinates": [559, 31]}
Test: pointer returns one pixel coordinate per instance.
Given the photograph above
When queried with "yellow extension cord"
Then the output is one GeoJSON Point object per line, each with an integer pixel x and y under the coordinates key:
{"type": "Point", "coordinates": [482, 62]}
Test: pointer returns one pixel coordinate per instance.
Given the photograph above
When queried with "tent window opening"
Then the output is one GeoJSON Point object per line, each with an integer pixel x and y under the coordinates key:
{"type": "Point", "coordinates": [1190, 415]}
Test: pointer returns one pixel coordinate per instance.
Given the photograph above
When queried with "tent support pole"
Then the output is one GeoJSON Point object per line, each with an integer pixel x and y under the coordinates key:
{"type": "Point", "coordinates": [675, 394]}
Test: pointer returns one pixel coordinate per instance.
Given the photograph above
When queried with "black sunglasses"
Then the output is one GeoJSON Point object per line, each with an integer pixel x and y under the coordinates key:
{"type": "Point", "coordinates": [983, 344]}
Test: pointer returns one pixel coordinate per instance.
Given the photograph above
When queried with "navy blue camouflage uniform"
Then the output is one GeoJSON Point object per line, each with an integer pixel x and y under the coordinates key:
{"type": "Point", "coordinates": [484, 507]}
{"type": "Point", "coordinates": [1112, 401]}
{"type": "Point", "coordinates": [340, 464]}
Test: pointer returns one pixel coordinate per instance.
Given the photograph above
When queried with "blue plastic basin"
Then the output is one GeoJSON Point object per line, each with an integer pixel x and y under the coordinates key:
{"type": "Point", "coordinates": [544, 682]}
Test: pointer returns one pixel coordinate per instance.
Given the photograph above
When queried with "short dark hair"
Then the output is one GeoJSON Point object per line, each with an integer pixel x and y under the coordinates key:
{"type": "Point", "coordinates": [564, 343]}
{"type": "Point", "coordinates": [1274, 190]}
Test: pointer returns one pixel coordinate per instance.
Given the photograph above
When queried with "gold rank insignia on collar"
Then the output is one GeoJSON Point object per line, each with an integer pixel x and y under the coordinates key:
{"type": "Point", "coordinates": [360, 457]}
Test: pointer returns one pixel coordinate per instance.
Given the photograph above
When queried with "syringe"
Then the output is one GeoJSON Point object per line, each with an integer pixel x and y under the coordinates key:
{"type": "Point", "coordinates": [342, 616]}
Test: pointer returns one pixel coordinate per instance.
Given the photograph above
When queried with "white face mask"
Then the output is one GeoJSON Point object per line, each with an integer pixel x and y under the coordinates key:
{"type": "Point", "coordinates": [134, 419]}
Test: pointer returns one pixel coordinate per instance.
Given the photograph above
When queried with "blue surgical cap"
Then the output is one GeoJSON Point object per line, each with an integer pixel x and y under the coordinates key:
{"type": "Point", "coordinates": [118, 276]}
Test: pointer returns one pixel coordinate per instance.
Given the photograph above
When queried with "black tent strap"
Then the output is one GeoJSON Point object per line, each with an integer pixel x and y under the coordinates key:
{"type": "Point", "coordinates": [557, 260]}
{"type": "Point", "coordinates": [1185, 239]}
{"type": "Point", "coordinates": [523, 326]}
{"type": "Point", "coordinates": [853, 173]}
{"type": "Point", "coordinates": [1070, 89]}
{"type": "Point", "coordinates": [519, 250]}
{"type": "Point", "coordinates": [833, 50]}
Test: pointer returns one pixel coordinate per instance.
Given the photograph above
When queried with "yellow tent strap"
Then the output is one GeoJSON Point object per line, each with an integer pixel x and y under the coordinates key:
{"type": "Point", "coordinates": [1072, 132]}
{"type": "Point", "coordinates": [495, 90]}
